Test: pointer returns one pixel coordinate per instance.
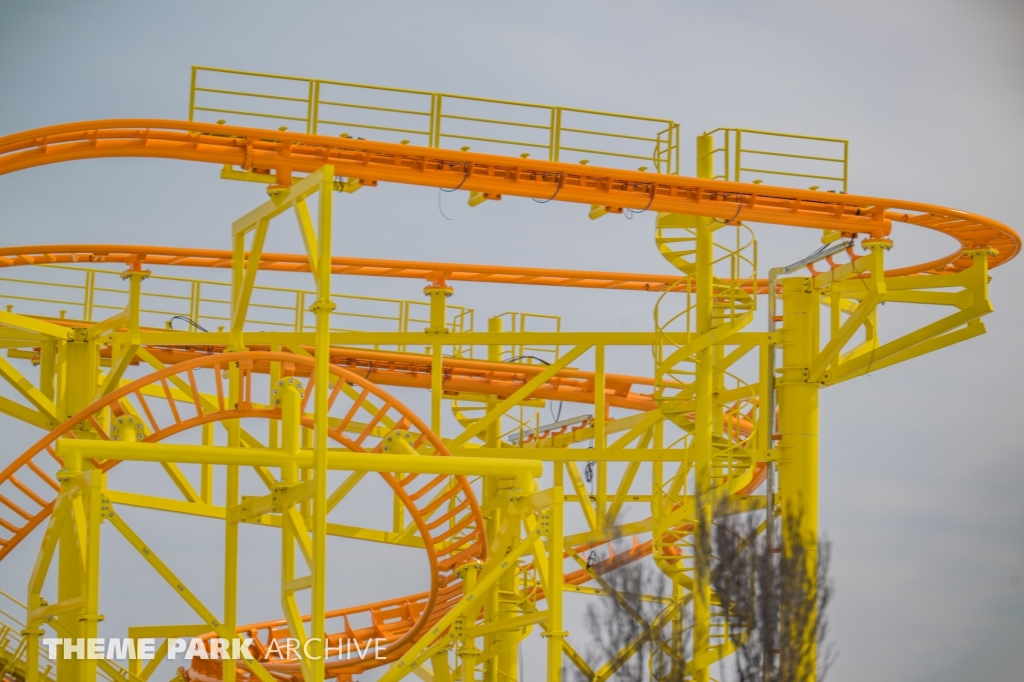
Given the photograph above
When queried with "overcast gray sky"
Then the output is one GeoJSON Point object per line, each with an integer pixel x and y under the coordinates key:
{"type": "Point", "coordinates": [921, 464]}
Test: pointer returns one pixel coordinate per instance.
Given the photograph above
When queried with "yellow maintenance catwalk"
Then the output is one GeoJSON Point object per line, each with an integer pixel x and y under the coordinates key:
{"type": "Point", "coordinates": [269, 406]}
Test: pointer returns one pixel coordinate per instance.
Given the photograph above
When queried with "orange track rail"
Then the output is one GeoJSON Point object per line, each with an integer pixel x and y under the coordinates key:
{"type": "Point", "coordinates": [283, 153]}
{"type": "Point", "coordinates": [435, 273]}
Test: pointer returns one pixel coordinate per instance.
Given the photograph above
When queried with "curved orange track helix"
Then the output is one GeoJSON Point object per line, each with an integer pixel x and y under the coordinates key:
{"type": "Point", "coordinates": [283, 153]}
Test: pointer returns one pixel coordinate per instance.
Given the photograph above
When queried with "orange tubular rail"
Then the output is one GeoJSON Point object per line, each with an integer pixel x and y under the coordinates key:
{"type": "Point", "coordinates": [447, 545]}
{"type": "Point", "coordinates": [340, 265]}
{"type": "Point", "coordinates": [283, 153]}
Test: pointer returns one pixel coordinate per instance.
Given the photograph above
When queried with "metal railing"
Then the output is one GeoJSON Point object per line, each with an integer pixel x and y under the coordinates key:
{"type": "Point", "coordinates": [13, 651]}
{"type": "Point", "coordinates": [531, 322]}
{"type": "Point", "coordinates": [432, 119]}
{"type": "Point", "coordinates": [92, 294]}
{"type": "Point", "coordinates": [785, 159]}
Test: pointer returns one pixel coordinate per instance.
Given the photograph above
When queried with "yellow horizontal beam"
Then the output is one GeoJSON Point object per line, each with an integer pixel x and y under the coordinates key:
{"type": "Point", "coordinates": [44, 612]}
{"type": "Point", "coordinates": [211, 454]}
{"type": "Point", "coordinates": [31, 324]}
{"type": "Point", "coordinates": [208, 511]}
{"type": "Point", "coordinates": [215, 512]}
{"type": "Point", "coordinates": [516, 623]}
{"type": "Point", "coordinates": [577, 454]}
{"type": "Point", "coordinates": [184, 338]}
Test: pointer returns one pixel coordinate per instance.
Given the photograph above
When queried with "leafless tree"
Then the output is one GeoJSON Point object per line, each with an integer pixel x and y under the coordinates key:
{"type": "Point", "coordinates": [773, 597]}
{"type": "Point", "coordinates": [774, 593]}
{"type": "Point", "coordinates": [637, 618]}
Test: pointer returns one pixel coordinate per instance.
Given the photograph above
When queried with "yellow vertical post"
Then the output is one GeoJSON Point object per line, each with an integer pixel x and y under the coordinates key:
{"type": "Point", "coordinates": [290, 401]}
{"type": "Point", "coordinates": [492, 520]}
{"type": "Point", "coordinates": [798, 421]}
{"type": "Point", "coordinates": [91, 618]}
{"type": "Point", "coordinates": [206, 470]}
{"type": "Point", "coordinates": [47, 366]}
{"type": "Point", "coordinates": [231, 499]}
{"type": "Point", "coordinates": [306, 474]}
{"type": "Point", "coordinates": [234, 433]}
{"type": "Point", "coordinates": [78, 372]}
{"type": "Point", "coordinates": [599, 433]}
{"type": "Point", "coordinates": [439, 664]}
{"type": "Point", "coordinates": [273, 427]}
{"type": "Point", "coordinates": [233, 427]}
{"type": "Point", "coordinates": [322, 310]}
{"type": "Point", "coordinates": [556, 574]}
{"type": "Point", "coordinates": [798, 406]}
{"type": "Point", "coordinates": [703, 430]}
{"type": "Point", "coordinates": [468, 652]}
{"type": "Point", "coordinates": [438, 294]}
{"type": "Point", "coordinates": [70, 585]}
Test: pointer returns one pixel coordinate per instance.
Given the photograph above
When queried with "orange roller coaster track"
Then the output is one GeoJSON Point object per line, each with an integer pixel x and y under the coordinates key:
{"type": "Point", "coordinates": [283, 153]}
{"type": "Point", "coordinates": [725, 432]}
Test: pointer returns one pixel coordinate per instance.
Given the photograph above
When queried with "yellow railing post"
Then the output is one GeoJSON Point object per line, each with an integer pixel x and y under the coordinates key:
{"type": "Point", "coordinates": [192, 95]}
{"type": "Point", "coordinates": [314, 106]}
{"type": "Point", "coordinates": [439, 101]}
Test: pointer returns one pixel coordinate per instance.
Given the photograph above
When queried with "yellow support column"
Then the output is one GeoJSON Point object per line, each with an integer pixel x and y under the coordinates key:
{"type": "Point", "coordinates": [599, 435]}
{"type": "Point", "coordinates": [290, 400]}
{"type": "Point", "coordinates": [92, 617]}
{"type": "Point", "coordinates": [703, 431]}
{"type": "Point", "coordinates": [492, 520]}
{"type": "Point", "coordinates": [322, 309]}
{"type": "Point", "coordinates": [555, 634]}
{"type": "Point", "coordinates": [47, 368]}
{"type": "Point", "coordinates": [77, 379]}
{"type": "Point", "coordinates": [798, 420]}
{"type": "Point", "coordinates": [231, 499]}
{"type": "Point", "coordinates": [798, 406]}
{"type": "Point", "coordinates": [438, 294]}
{"type": "Point", "coordinates": [468, 651]}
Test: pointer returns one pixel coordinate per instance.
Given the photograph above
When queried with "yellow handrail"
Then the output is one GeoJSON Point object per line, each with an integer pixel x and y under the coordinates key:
{"type": "Point", "coordinates": [729, 147]}
{"type": "Point", "coordinates": [625, 136]}
{"type": "Point", "coordinates": [203, 306]}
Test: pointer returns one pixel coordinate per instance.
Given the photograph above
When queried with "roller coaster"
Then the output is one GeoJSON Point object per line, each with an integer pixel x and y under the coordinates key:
{"type": "Point", "coordinates": [289, 408]}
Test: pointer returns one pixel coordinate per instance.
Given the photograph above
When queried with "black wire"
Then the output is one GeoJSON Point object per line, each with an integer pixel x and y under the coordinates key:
{"type": "Point", "coordinates": [524, 357]}
{"type": "Point", "coordinates": [441, 210]}
{"type": "Point", "coordinates": [651, 201]}
{"type": "Point", "coordinates": [465, 176]}
{"type": "Point", "coordinates": [739, 208]}
{"type": "Point", "coordinates": [551, 408]}
{"type": "Point", "coordinates": [182, 317]}
{"type": "Point", "coordinates": [560, 183]}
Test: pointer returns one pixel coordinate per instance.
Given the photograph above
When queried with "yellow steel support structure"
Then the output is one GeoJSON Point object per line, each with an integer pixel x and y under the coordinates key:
{"type": "Point", "coordinates": [513, 503]}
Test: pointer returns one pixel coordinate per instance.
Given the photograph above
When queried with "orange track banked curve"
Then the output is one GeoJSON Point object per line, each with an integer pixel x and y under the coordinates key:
{"type": "Point", "coordinates": [283, 153]}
